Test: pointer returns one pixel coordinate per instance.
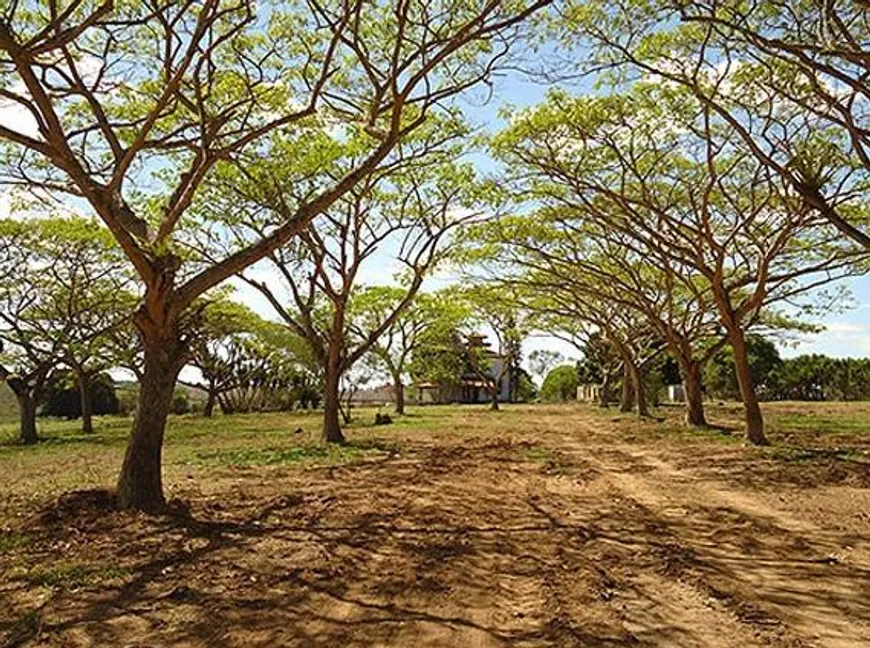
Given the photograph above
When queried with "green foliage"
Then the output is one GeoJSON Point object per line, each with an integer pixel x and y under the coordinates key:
{"type": "Point", "coordinates": [720, 376]}
{"type": "Point", "coordinates": [526, 391]}
{"type": "Point", "coordinates": [560, 384]}
{"type": "Point", "coordinates": [181, 402]}
{"type": "Point", "coordinates": [63, 398]}
{"type": "Point", "coordinates": [819, 378]}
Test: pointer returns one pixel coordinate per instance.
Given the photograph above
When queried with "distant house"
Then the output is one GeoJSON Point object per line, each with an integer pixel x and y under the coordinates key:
{"type": "Point", "coordinates": [471, 388]}
{"type": "Point", "coordinates": [381, 395]}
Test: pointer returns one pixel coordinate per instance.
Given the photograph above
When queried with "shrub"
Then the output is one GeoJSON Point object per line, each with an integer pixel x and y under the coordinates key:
{"type": "Point", "coordinates": [560, 384]}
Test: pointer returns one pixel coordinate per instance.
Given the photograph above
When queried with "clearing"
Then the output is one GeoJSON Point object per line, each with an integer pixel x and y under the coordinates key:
{"type": "Point", "coordinates": [534, 526]}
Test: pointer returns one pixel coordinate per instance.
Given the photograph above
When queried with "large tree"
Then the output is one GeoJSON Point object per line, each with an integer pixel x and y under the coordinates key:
{"type": "Point", "coordinates": [128, 108]}
{"type": "Point", "coordinates": [407, 209]}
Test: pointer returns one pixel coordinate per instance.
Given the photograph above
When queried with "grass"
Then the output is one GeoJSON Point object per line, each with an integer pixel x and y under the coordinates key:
{"type": "Point", "coordinates": [12, 540]}
{"type": "Point", "coordinates": [246, 457]}
{"type": "Point", "coordinates": [73, 575]}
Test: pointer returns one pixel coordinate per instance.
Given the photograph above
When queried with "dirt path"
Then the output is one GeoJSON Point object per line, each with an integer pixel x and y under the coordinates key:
{"type": "Point", "coordinates": [556, 536]}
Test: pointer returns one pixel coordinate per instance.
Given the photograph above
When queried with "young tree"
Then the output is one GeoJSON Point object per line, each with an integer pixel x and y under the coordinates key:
{"type": "Point", "coordinates": [429, 317]}
{"type": "Point", "coordinates": [560, 384]}
{"type": "Point", "coordinates": [128, 107]}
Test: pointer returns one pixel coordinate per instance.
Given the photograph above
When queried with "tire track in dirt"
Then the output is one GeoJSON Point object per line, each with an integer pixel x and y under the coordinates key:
{"type": "Point", "coordinates": [772, 574]}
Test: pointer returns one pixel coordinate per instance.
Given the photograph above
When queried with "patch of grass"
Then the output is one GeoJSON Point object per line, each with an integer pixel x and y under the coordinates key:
{"type": "Point", "coordinates": [538, 453]}
{"type": "Point", "coordinates": [72, 575]}
{"type": "Point", "coordinates": [12, 540]}
{"type": "Point", "coordinates": [326, 453]}
{"type": "Point", "coordinates": [786, 453]}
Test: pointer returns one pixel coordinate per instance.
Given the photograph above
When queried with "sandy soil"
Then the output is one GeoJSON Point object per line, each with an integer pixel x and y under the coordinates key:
{"type": "Point", "coordinates": [541, 532]}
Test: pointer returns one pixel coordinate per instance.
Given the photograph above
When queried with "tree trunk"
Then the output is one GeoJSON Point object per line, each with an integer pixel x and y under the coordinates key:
{"type": "Point", "coordinates": [85, 396]}
{"type": "Point", "coordinates": [691, 374]}
{"type": "Point", "coordinates": [604, 391]}
{"type": "Point", "coordinates": [638, 384]}
{"type": "Point", "coordinates": [140, 484]}
{"type": "Point", "coordinates": [399, 388]}
{"type": "Point", "coordinates": [627, 398]}
{"type": "Point", "coordinates": [208, 411]}
{"type": "Point", "coordinates": [493, 397]}
{"type": "Point", "coordinates": [27, 414]}
{"type": "Point", "coordinates": [751, 408]}
{"type": "Point", "coordinates": [332, 402]}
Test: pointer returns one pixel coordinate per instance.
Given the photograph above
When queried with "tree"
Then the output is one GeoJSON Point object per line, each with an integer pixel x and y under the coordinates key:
{"type": "Point", "coordinates": [133, 105]}
{"type": "Point", "coordinates": [560, 384]}
{"type": "Point", "coordinates": [428, 318]}
{"type": "Point", "coordinates": [63, 395]}
{"type": "Point", "coordinates": [721, 377]}
{"type": "Point", "coordinates": [684, 194]}
{"type": "Point", "coordinates": [541, 361]}
{"type": "Point", "coordinates": [495, 307]}
{"type": "Point", "coordinates": [599, 363]}
{"type": "Point", "coordinates": [411, 207]}
{"type": "Point", "coordinates": [62, 280]}
{"type": "Point", "coordinates": [774, 71]}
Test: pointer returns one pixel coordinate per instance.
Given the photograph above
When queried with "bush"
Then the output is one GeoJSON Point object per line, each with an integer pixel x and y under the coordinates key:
{"type": "Point", "coordinates": [62, 396]}
{"type": "Point", "coordinates": [560, 384]}
{"type": "Point", "coordinates": [181, 402]}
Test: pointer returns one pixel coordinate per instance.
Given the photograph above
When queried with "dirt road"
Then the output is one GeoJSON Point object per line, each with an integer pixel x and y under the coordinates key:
{"type": "Point", "coordinates": [547, 534]}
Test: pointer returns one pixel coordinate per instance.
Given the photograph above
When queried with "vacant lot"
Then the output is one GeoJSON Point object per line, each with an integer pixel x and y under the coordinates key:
{"type": "Point", "coordinates": [535, 526]}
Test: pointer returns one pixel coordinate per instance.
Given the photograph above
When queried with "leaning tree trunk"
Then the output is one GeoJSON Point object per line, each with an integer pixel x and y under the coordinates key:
{"type": "Point", "coordinates": [751, 407]}
{"type": "Point", "coordinates": [627, 397]}
{"type": "Point", "coordinates": [399, 388]}
{"type": "Point", "coordinates": [691, 374]}
{"type": "Point", "coordinates": [140, 484]}
{"type": "Point", "coordinates": [85, 397]}
{"type": "Point", "coordinates": [332, 400]}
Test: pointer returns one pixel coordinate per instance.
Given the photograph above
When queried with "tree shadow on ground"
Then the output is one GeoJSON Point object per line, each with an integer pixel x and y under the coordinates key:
{"type": "Point", "coordinates": [460, 545]}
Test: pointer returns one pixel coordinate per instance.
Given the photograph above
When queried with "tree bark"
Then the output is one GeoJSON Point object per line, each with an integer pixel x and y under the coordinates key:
{"type": "Point", "coordinates": [85, 396]}
{"type": "Point", "coordinates": [604, 391]}
{"type": "Point", "coordinates": [691, 374]}
{"type": "Point", "coordinates": [140, 483]}
{"type": "Point", "coordinates": [627, 398]}
{"type": "Point", "coordinates": [332, 400]}
{"type": "Point", "coordinates": [27, 414]}
{"type": "Point", "coordinates": [751, 407]}
{"type": "Point", "coordinates": [399, 388]}
{"type": "Point", "coordinates": [639, 387]}
{"type": "Point", "coordinates": [208, 411]}
{"type": "Point", "coordinates": [493, 398]}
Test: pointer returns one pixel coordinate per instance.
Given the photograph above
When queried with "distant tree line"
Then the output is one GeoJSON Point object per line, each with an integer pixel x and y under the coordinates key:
{"type": "Point", "coordinates": [808, 377]}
